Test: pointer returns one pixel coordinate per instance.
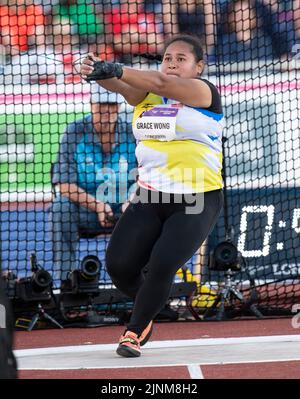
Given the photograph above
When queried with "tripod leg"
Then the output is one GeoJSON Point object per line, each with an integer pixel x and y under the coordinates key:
{"type": "Point", "coordinates": [47, 316]}
{"type": "Point", "coordinates": [33, 322]}
{"type": "Point", "coordinates": [254, 297]}
{"type": "Point", "coordinates": [237, 294]}
{"type": "Point", "coordinates": [221, 311]}
{"type": "Point", "coordinates": [210, 310]}
{"type": "Point", "coordinates": [256, 312]}
{"type": "Point", "coordinates": [246, 304]}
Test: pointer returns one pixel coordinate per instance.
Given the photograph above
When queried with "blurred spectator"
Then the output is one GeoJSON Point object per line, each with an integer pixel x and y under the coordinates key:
{"type": "Point", "coordinates": [104, 50]}
{"type": "Point", "coordinates": [191, 16]}
{"type": "Point", "coordinates": [50, 62]}
{"type": "Point", "coordinates": [55, 59]}
{"type": "Point", "coordinates": [93, 175]}
{"type": "Point", "coordinates": [278, 22]}
{"type": "Point", "coordinates": [248, 31]}
{"type": "Point", "coordinates": [132, 29]}
{"type": "Point", "coordinates": [62, 48]}
{"type": "Point", "coordinates": [153, 6]}
{"type": "Point", "coordinates": [82, 17]}
{"type": "Point", "coordinates": [21, 25]}
{"type": "Point", "coordinates": [296, 16]}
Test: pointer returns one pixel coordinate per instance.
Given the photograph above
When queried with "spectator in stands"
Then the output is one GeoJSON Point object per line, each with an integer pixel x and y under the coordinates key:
{"type": "Point", "coordinates": [50, 62]}
{"type": "Point", "coordinates": [62, 49]}
{"type": "Point", "coordinates": [83, 19]}
{"type": "Point", "coordinates": [248, 31]}
{"type": "Point", "coordinates": [91, 173]}
{"type": "Point", "coordinates": [153, 6]}
{"type": "Point", "coordinates": [278, 22]}
{"type": "Point", "coordinates": [132, 30]}
{"type": "Point", "coordinates": [296, 16]}
{"type": "Point", "coordinates": [197, 17]}
{"type": "Point", "coordinates": [54, 59]}
{"type": "Point", "coordinates": [21, 25]}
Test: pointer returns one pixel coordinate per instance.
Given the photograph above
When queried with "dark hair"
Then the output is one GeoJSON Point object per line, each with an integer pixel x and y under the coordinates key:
{"type": "Point", "coordinates": [148, 56]}
{"type": "Point", "coordinates": [193, 40]}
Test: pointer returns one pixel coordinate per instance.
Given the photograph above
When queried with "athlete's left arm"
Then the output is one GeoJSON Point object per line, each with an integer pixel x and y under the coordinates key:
{"type": "Point", "coordinates": [192, 92]}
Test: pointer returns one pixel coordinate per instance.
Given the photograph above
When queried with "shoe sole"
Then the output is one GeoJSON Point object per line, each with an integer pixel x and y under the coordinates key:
{"type": "Point", "coordinates": [147, 337]}
{"type": "Point", "coordinates": [125, 351]}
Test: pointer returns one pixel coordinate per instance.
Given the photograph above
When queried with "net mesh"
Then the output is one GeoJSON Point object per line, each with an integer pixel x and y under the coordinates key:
{"type": "Point", "coordinates": [251, 52]}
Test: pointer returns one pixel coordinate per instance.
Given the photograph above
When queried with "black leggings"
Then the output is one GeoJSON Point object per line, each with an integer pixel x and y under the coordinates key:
{"type": "Point", "coordinates": [163, 237]}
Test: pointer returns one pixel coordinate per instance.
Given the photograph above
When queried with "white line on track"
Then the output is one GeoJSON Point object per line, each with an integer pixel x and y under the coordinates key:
{"type": "Point", "coordinates": [188, 353]}
{"type": "Point", "coordinates": [159, 344]}
{"type": "Point", "coordinates": [195, 372]}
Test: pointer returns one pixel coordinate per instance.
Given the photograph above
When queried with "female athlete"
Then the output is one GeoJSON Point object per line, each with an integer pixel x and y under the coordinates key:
{"type": "Point", "coordinates": [177, 123]}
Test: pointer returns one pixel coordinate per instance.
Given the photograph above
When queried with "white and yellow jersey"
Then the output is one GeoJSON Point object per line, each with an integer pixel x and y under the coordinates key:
{"type": "Point", "coordinates": [179, 148]}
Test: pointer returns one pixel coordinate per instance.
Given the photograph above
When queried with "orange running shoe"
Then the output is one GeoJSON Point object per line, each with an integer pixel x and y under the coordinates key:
{"type": "Point", "coordinates": [129, 345]}
{"type": "Point", "coordinates": [146, 334]}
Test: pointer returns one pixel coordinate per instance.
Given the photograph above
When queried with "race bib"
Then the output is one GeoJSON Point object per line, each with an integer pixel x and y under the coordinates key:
{"type": "Point", "coordinates": [156, 124]}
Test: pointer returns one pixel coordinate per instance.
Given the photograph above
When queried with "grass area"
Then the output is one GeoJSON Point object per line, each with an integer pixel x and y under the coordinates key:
{"type": "Point", "coordinates": [43, 131]}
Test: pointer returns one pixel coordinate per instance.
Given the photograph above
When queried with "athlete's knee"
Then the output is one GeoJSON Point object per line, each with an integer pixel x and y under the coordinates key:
{"type": "Point", "coordinates": [114, 264]}
{"type": "Point", "coordinates": [120, 268]}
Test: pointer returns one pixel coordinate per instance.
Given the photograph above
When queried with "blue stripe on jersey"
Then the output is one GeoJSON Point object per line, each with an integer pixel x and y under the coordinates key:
{"type": "Point", "coordinates": [216, 117]}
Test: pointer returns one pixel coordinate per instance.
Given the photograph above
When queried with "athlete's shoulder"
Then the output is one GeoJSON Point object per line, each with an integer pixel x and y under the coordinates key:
{"type": "Point", "coordinates": [216, 103]}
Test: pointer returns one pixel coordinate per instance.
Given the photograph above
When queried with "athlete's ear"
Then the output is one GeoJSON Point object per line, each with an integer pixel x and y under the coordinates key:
{"type": "Point", "coordinates": [200, 67]}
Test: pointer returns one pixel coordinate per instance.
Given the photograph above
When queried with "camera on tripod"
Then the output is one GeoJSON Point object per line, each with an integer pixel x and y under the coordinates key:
{"type": "Point", "coordinates": [225, 256]}
{"type": "Point", "coordinates": [80, 294]}
{"type": "Point", "coordinates": [32, 293]}
{"type": "Point", "coordinates": [36, 288]}
{"type": "Point", "coordinates": [86, 279]}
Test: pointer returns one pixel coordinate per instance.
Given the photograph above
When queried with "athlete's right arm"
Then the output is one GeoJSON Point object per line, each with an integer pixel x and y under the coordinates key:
{"type": "Point", "coordinates": [131, 94]}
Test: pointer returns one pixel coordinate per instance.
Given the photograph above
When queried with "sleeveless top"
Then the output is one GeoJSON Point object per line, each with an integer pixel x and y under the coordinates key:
{"type": "Point", "coordinates": [179, 148]}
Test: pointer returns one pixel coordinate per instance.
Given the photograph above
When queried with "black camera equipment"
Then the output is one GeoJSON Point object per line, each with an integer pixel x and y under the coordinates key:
{"type": "Point", "coordinates": [9, 279]}
{"type": "Point", "coordinates": [109, 306]}
{"type": "Point", "coordinates": [226, 258]}
{"type": "Point", "coordinates": [83, 302]}
{"type": "Point", "coordinates": [36, 289]}
{"type": "Point", "coordinates": [80, 291]}
{"type": "Point", "coordinates": [86, 279]}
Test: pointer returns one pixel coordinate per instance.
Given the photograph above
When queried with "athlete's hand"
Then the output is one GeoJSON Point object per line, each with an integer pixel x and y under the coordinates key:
{"type": "Point", "coordinates": [93, 68]}
{"type": "Point", "coordinates": [104, 212]}
{"type": "Point", "coordinates": [86, 67]}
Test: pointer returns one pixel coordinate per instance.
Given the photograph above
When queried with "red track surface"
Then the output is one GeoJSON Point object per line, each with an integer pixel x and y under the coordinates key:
{"type": "Point", "coordinates": [281, 370]}
{"type": "Point", "coordinates": [164, 331]}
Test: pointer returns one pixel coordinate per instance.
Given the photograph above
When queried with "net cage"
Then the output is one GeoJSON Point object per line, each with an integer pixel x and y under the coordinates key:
{"type": "Point", "coordinates": [52, 170]}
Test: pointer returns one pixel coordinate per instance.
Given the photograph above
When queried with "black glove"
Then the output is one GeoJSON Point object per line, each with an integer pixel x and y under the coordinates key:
{"type": "Point", "coordinates": [105, 70]}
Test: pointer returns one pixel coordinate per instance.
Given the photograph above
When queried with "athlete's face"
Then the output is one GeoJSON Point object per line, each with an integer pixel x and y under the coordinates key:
{"type": "Point", "coordinates": [179, 60]}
